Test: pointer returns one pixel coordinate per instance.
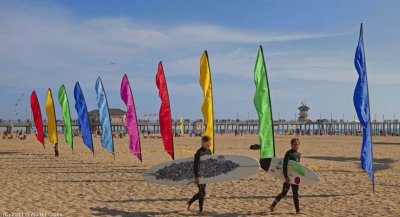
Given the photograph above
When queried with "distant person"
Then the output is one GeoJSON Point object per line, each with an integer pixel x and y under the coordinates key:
{"type": "Point", "coordinates": [204, 150]}
{"type": "Point", "coordinates": [22, 137]}
{"type": "Point", "coordinates": [293, 155]}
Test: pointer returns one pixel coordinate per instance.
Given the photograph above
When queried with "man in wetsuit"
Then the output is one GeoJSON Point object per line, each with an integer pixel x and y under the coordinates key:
{"type": "Point", "coordinates": [204, 150]}
{"type": "Point", "coordinates": [293, 155]}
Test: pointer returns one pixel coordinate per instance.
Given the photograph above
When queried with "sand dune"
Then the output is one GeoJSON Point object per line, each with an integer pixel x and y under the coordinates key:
{"type": "Point", "coordinates": [77, 183]}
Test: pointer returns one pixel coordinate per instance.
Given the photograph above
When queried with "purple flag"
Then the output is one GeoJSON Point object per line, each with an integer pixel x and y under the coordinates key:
{"type": "Point", "coordinates": [131, 120]}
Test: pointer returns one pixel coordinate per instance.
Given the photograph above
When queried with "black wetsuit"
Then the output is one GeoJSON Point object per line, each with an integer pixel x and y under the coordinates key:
{"type": "Point", "coordinates": [202, 187]}
{"type": "Point", "coordinates": [294, 156]}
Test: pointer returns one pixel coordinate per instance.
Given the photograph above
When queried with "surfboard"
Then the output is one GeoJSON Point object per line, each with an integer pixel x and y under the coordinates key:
{"type": "Point", "coordinates": [298, 173]}
{"type": "Point", "coordinates": [213, 168]}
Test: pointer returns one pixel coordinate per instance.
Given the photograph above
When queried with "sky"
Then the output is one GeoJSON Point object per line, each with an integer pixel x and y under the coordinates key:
{"type": "Point", "coordinates": [308, 47]}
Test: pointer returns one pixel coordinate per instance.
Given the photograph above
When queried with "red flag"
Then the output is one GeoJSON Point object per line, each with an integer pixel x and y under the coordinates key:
{"type": "Point", "coordinates": [37, 117]}
{"type": "Point", "coordinates": [165, 112]}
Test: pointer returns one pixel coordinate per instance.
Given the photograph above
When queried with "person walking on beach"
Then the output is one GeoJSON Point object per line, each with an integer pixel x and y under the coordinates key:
{"type": "Point", "coordinates": [204, 150]}
{"type": "Point", "coordinates": [293, 155]}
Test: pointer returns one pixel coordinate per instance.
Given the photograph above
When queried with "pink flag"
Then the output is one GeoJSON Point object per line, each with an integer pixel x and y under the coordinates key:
{"type": "Point", "coordinates": [131, 120]}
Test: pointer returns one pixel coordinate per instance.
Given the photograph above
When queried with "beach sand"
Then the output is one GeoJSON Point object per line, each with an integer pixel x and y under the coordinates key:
{"type": "Point", "coordinates": [35, 183]}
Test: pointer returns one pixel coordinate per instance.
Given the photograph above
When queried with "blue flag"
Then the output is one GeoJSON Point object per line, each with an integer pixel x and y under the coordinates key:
{"type": "Point", "coordinates": [80, 106]}
{"type": "Point", "coordinates": [105, 121]}
{"type": "Point", "coordinates": [361, 104]}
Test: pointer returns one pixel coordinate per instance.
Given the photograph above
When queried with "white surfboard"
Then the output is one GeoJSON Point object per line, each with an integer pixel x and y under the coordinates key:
{"type": "Point", "coordinates": [297, 172]}
{"type": "Point", "coordinates": [219, 168]}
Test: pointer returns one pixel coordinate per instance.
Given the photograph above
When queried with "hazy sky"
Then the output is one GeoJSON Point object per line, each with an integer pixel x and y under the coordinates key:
{"type": "Point", "coordinates": [309, 50]}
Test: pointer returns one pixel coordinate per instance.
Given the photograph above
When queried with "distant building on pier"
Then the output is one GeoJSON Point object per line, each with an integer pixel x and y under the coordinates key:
{"type": "Point", "coordinates": [303, 115]}
{"type": "Point", "coordinates": [116, 116]}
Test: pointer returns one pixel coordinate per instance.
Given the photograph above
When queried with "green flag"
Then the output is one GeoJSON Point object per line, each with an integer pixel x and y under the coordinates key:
{"type": "Point", "coordinates": [63, 99]}
{"type": "Point", "coordinates": [262, 102]}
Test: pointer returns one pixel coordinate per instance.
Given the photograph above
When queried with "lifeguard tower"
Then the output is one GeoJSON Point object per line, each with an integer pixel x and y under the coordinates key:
{"type": "Point", "coordinates": [303, 115]}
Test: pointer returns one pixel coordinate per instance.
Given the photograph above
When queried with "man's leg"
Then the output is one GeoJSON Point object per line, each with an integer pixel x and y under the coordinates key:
{"type": "Point", "coordinates": [195, 197]}
{"type": "Point", "coordinates": [278, 198]}
{"type": "Point", "coordinates": [295, 190]}
{"type": "Point", "coordinates": [202, 194]}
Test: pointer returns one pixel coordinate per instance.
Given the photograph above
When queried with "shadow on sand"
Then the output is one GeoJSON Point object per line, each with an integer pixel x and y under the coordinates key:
{"type": "Point", "coordinates": [140, 171]}
{"type": "Point", "coordinates": [103, 211]}
{"type": "Point", "coordinates": [96, 181]}
{"type": "Point", "coordinates": [253, 197]}
{"type": "Point", "coordinates": [379, 163]}
{"type": "Point", "coordinates": [386, 143]}
{"type": "Point", "coordinates": [9, 152]}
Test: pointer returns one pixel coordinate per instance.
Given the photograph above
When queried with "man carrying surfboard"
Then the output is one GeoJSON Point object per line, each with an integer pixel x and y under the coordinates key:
{"type": "Point", "coordinates": [293, 155]}
{"type": "Point", "coordinates": [204, 150]}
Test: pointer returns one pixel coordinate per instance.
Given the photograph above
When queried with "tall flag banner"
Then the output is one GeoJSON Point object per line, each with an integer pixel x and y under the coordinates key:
{"type": "Point", "coordinates": [181, 125]}
{"type": "Point", "coordinates": [66, 113]}
{"type": "Point", "coordinates": [105, 121]}
{"type": "Point", "coordinates": [362, 107]}
{"type": "Point", "coordinates": [262, 103]}
{"type": "Point", "coordinates": [37, 117]}
{"type": "Point", "coordinates": [131, 118]}
{"type": "Point", "coordinates": [83, 118]}
{"type": "Point", "coordinates": [51, 118]}
{"type": "Point", "coordinates": [165, 112]}
{"type": "Point", "coordinates": [207, 107]}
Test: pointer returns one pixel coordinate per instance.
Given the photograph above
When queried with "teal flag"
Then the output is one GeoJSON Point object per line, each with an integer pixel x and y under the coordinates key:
{"type": "Point", "coordinates": [104, 114]}
{"type": "Point", "coordinates": [262, 102]}
{"type": "Point", "coordinates": [63, 99]}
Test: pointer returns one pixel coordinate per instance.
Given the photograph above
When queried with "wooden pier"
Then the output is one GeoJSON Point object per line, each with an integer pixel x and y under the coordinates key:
{"type": "Point", "coordinates": [319, 127]}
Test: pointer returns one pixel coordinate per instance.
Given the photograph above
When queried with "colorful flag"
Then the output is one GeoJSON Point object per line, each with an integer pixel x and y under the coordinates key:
{"type": "Point", "coordinates": [105, 121]}
{"type": "Point", "coordinates": [207, 107]}
{"type": "Point", "coordinates": [262, 102]}
{"type": "Point", "coordinates": [81, 109]}
{"type": "Point", "coordinates": [37, 117]}
{"type": "Point", "coordinates": [131, 118]}
{"type": "Point", "coordinates": [63, 99]}
{"type": "Point", "coordinates": [362, 107]}
{"type": "Point", "coordinates": [51, 118]}
{"type": "Point", "coordinates": [165, 112]}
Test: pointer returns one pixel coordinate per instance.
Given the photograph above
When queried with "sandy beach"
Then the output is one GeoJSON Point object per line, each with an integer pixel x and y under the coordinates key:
{"type": "Point", "coordinates": [35, 183]}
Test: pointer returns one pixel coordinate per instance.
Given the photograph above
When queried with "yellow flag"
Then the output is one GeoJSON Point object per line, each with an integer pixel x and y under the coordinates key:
{"type": "Point", "coordinates": [51, 118]}
{"type": "Point", "coordinates": [207, 107]}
